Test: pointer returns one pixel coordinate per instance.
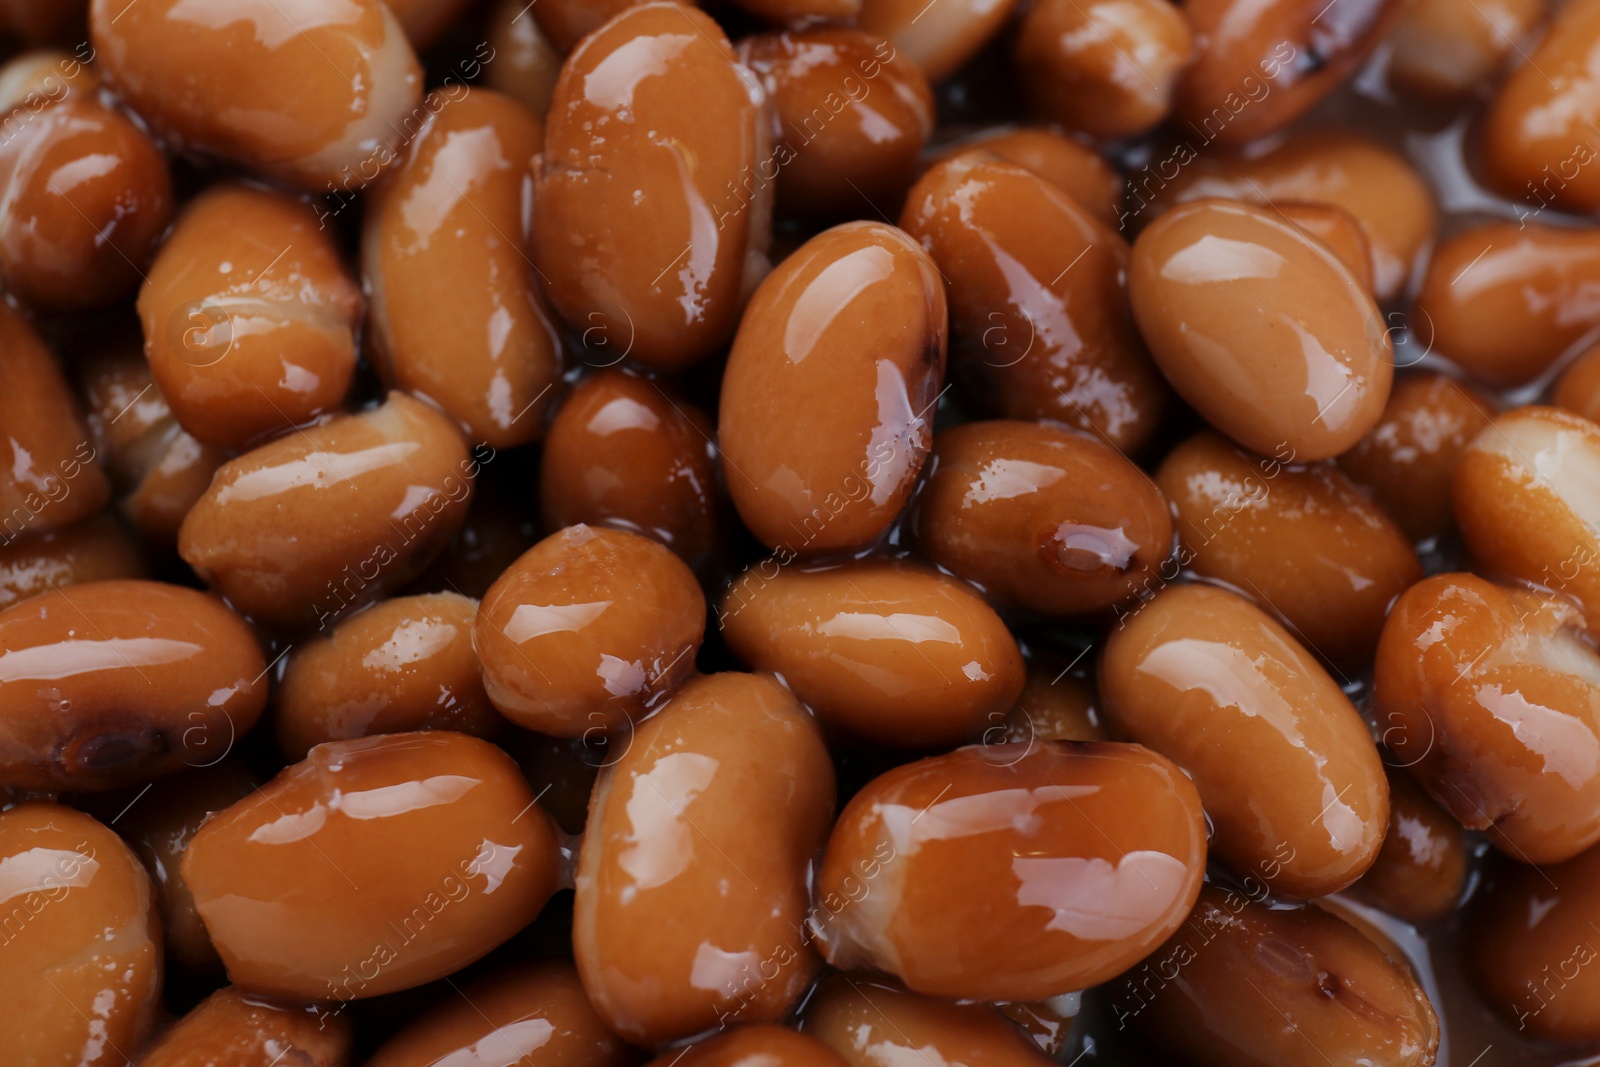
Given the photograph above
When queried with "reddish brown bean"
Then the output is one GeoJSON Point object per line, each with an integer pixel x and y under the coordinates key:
{"type": "Point", "coordinates": [114, 683]}
{"type": "Point", "coordinates": [692, 882]}
{"type": "Point", "coordinates": [1301, 541]}
{"type": "Point", "coordinates": [870, 1020]}
{"type": "Point", "coordinates": [1445, 50]}
{"type": "Point", "coordinates": [886, 651]}
{"type": "Point", "coordinates": [588, 630]}
{"type": "Point", "coordinates": [526, 63]}
{"type": "Point", "coordinates": [1288, 772]}
{"type": "Point", "coordinates": [1038, 314]}
{"type": "Point", "coordinates": [442, 247]}
{"type": "Point", "coordinates": [1054, 706]}
{"type": "Point", "coordinates": [236, 1028]}
{"type": "Point", "coordinates": [566, 22]}
{"type": "Point", "coordinates": [312, 524]}
{"type": "Point", "coordinates": [940, 38]}
{"type": "Point", "coordinates": [373, 865]}
{"type": "Point", "coordinates": [651, 219]}
{"type": "Point", "coordinates": [1578, 388]}
{"type": "Point", "coordinates": [95, 550]}
{"type": "Point", "coordinates": [1041, 518]}
{"type": "Point", "coordinates": [1336, 228]}
{"type": "Point", "coordinates": [827, 401]}
{"type": "Point", "coordinates": [34, 80]}
{"type": "Point", "coordinates": [1076, 169]}
{"type": "Point", "coordinates": [1490, 697]}
{"type": "Point", "coordinates": [750, 1046]}
{"type": "Point", "coordinates": [1421, 869]}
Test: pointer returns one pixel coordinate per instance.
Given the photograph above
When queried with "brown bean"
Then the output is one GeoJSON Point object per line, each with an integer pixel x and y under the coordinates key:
{"type": "Point", "coordinates": [1421, 869]}
{"type": "Point", "coordinates": [941, 38]}
{"type": "Point", "coordinates": [1261, 329]}
{"type": "Point", "coordinates": [442, 246]}
{"type": "Point", "coordinates": [1503, 300]}
{"type": "Point", "coordinates": [588, 630]}
{"type": "Point", "coordinates": [850, 113]}
{"type": "Point", "coordinates": [1040, 518]}
{"type": "Point", "coordinates": [332, 517]}
{"type": "Point", "coordinates": [1446, 49]}
{"type": "Point", "coordinates": [249, 317]}
{"type": "Point", "coordinates": [887, 651]}
{"type": "Point", "coordinates": [826, 412]}
{"type": "Point", "coordinates": [991, 873]}
{"type": "Point", "coordinates": [236, 1028]}
{"type": "Point", "coordinates": [1054, 706]}
{"type": "Point", "coordinates": [1301, 541]}
{"type": "Point", "coordinates": [1289, 775]}
{"type": "Point", "coordinates": [405, 664]}
{"type": "Point", "coordinates": [1490, 697]}
{"type": "Point", "coordinates": [651, 219]}
{"type": "Point", "coordinates": [1378, 186]}
{"type": "Point", "coordinates": [48, 472]}
{"type": "Point", "coordinates": [1038, 315]}
{"type": "Point", "coordinates": [1336, 228]}
{"type": "Point", "coordinates": [81, 978]}
{"type": "Point", "coordinates": [1259, 66]}
{"type": "Point", "coordinates": [692, 884]}
{"type": "Point", "coordinates": [114, 683]}
{"type": "Point", "coordinates": [1406, 461]}
{"type": "Point", "coordinates": [425, 20]}
{"type": "Point", "coordinates": [526, 63]}
{"type": "Point", "coordinates": [373, 865]}
{"type": "Point", "coordinates": [1537, 135]}
{"type": "Point", "coordinates": [204, 81]}
{"type": "Point", "coordinates": [1107, 68]}
{"type": "Point", "coordinates": [566, 22]}
{"type": "Point", "coordinates": [1246, 984]}
{"type": "Point", "coordinates": [1524, 499]}
{"type": "Point", "coordinates": [1578, 388]}
{"type": "Point", "coordinates": [801, 12]}
{"type": "Point", "coordinates": [528, 1015]}
{"type": "Point", "coordinates": [622, 452]}
{"type": "Point", "coordinates": [1076, 169]}
{"type": "Point", "coordinates": [34, 80]}
{"type": "Point", "coordinates": [94, 550]}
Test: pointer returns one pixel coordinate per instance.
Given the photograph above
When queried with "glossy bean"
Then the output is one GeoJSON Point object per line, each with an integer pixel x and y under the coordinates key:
{"type": "Point", "coordinates": [1076, 169]}
{"type": "Point", "coordinates": [236, 1028]}
{"type": "Point", "coordinates": [750, 1046]}
{"type": "Point", "coordinates": [1578, 388]}
{"type": "Point", "coordinates": [34, 80]}
{"type": "Point", "coordinates": [1053, 706]}
{"type": "Point", "coordinates": [1422, 868]}
{"type": "Point", "coordinates": [1446, 49]}
{"type": "Point", "coordinates": [526, 63]}
{"type": "Point", "coordinates": [94, 550]}
{"type": "Point", "coordinates": [566, 22]}
{"type": "Point", "coordinates": [938, 38]}
{"type": "Point", "coordinates": [1336, 228]}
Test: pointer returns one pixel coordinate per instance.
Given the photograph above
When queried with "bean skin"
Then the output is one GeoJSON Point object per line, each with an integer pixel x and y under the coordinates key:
{"type": "Point", "coordinates": [405, 664]}
{"type": "Point", "coordinates": [1038, 313]}
{"type": "Point", "coordinates": [988, 873]}
{"type": "Point", "coordinates": [114, 683]}
{"type": "Point", "coordinates": [1421, 869]}
{"type": "Point", "coordinates": [1290, 777]}
{"type": "Point", "coordinates": [1054, 706]}
{"type": "Point", "coordinates": [80, 969]}
{"type": "Point", "coordinates": [566, 22]}
{"type": "Point", "coordinates": [1301, 541]}
{"type": "Point", "coordinates": [1444, 50]}
{"type": "Point", "coordinates": [34, 80]}
{"type": "Point", "coordinates": [526, 63]}
{"type": "Point", "coordinates": [885, 651]}
{"type": "Point", "coordinates": [236, 1028]}
{"type": "Point", "coordinates": [1336, 228]}
{"type": "Point", "coordinates": [94, 550]}
{"type": "Point", "coordinates": [651, 220]}
{"type": "Point", "coordinates": [750, 1046]}
{"type": "Point", "coordinates": [1490, 697]}
{"type": "Point", "coordinates": [938, 39]}
{"type": "Point", "coordinates": [826, 402]}
{"type": "Point", "coordinates": [443, 246]}
{"type": "Point", "coordinates": [1074, 168]}
{"type": "Point", "coordinates": [357, 81]}
{"type": "Point", "coordinates": [588, 630]}
{"type": "Point", "coordinates": [1578, 388]}
{"type": "Point", "coordinates": [373, 865]}
{"type": "Point", "coordinates": [1291, 353]}
{"type": "Point", "coordinates": [249, 317]}
{"type": "Point", "coordinates": [692, 884]}
{"type": "Point", "coordinates": [1041, 518]}
{"type": "Point", "coordinates": [311, 524]}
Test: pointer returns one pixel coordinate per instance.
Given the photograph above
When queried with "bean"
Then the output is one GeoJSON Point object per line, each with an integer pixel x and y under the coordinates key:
{"type": "Point", "coordinates": [750, 1045]}
{"type": "Point", "coordinates": [1054, 706]}
{"type": "Point", "coordinates": [826, 404]}
{"type": "Point", "coordinates": [1288, 772]}
{"type": "Point", "coordinates": [94, 550]}
{"type": "Point", "coordinates": [885, 651]}
{"type": "Point", "coordinates": [114, 683]}
{"type": "Point", "coordinates": [692, 884]}
{"type": "Point", "coordinates": [526, 64]}
{"type": "Point", "coordinates": [1336, 228]}
{"type": "Point", "coordinates": [566, 22]}
{"type": "Point", "coordinates": [1444, 50]}
{"type": "Point", "coordinates": [1578, 388]}
{"type": "Point", "coordinates": [1261, 329]}
{"type": "Point", "coordinates": [424, 20]}
{"type": "Point", "coordinates": [34, 80]}
{"type": "Point", "coordinates": [236, 1028]}
{"type": "Point", "coordinates": [941, 38]}
{"type": "Point", "coordinates": [1076, 169]}
{"type": "Point", "coordinates": [1421, 869]}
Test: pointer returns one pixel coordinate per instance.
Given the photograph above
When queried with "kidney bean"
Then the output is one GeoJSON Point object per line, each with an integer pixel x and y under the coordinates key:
{"type": "Point", "coordinates": [1041, 518]}
{"type": "Point", "coordinates": [566, 22]}
{"type": "Point", "coordinates": [1039, 320]}
{"type": "Point", "coordinates": [529, 1013]}
{"type": "Point", "coordinates": [1012, 872]}
{"type": "Point", "coordinates": [1443, 50]}
{"type": "Point", "coordinates": [939, 38]}
{"type": "Point", "coordinates": [692, 882]}
{"type": "Point", "coordinates": [1421, 869]}
{"type": "Point", "coordinates": [332, 517]}
{"type": "Point", "coordinates": [442, 246]}
{"type": "Point", "coordinates": [1289, 775]}
{"type": "Point", "coordinates": [850, 115]}
{"type": "Point", "coordinates": [1246, 983]}
{"type": "Point", "coordinates": [34, 80]}
{"type": "Point", "coordinates": [622, 452]}
{"type": "Point", "coordinates": [1336, 228]}
{"type": "Point", "coordinates": [826, 404]}
{"type": "Point", "coordinates": [1301, 541]}
{"type": "Point", "coordinates": [1076, 169]}
{"type": "Point", "coordinates": [249, 317]}
{"type": "Point", "coordinates": [751, 1045]}
{"type": "Point", "coordinates": [1406, 461]}
{"type": "Point", "coordinates": [113, 683]}
{"type": "Point", "coordinates": [526, 63]}
{"type": "Point", "coordinates": [886, 651]}
{"type": "Point", "coordinates": [1054, 706]}
{"type": "Point", "coordinates": [373, 865]}
{"type": "Point", "coordinates": [1490, 697]}
{"type": "Point", "coordinates": [209, 77]}
{"type": "Point", "coordinates": [1578, 388]}
{"type": "Point", "coordinates": [1108, 67]}
{"type": "Point", "coordinates": [94, 550]}
{"type": "Point", "coordinates": [405, 664]}
{"type": "Point", "coordinates": [1261, 329]}
{"type": "Point", "coordinates": [236, 1028]}
{"type": "Point", "coordinates": [588, 630]}
{"type": "Point", "coordinates": [651, 219]}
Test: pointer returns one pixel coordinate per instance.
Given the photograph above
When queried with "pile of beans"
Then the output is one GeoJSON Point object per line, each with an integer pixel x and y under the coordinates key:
{"type": "Point", "coordinates": [799, 533]}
